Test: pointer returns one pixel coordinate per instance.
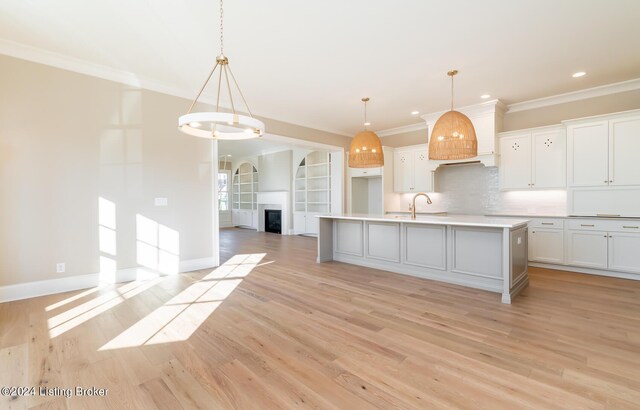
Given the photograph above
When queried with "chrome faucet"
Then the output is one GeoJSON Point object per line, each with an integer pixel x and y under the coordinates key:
{"type": "Point", "coordinates": [412, 207]}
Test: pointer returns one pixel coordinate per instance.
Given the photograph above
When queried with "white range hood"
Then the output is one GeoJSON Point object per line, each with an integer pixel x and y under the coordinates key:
{"type": "Point", "coordinates": [487, 121]}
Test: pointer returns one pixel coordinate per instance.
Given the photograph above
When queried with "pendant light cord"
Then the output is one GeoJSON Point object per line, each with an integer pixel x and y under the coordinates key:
{"type": "Point", "coordinates": [221, 29]}
{"type": "Point", "coordinates": [452, 93]}
{"type": "Point", "coordinates": [365, 115]}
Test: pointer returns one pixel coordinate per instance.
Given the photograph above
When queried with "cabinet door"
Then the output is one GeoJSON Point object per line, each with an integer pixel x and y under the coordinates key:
{"type": "Point", "coordinates": [546, 245]}
{"type": "Point", "coordinates": [515, 162]}
{"type": "Point", "coordinates": [313, 223]}
{"type": "Point", "coordinates": [588, 159]}
{"type": "Point", "coordinates": [422, 180]}
{"type": "Point", "coordinates": [623, 252]}
{"type": "Point", "coordinates": [299, 222]}
{"type": "Point", "coordinates": [403, 171]}
{"type": "Point", "coordinates": [624, 147]}
{"type": "Point", "coordinates": [549, 161]}
{"type": "Point", "coordinates": [587, 248]}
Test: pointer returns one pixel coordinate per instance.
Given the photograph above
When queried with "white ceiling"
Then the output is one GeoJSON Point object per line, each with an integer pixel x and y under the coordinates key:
{"type": "Point", "coordinates": [310, 62]}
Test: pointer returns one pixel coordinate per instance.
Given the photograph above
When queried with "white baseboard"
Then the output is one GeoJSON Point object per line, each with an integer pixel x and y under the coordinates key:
{"type": "Point", "coordinates": [613, 274]}
{"type": "Point", "coordinates": [34, 289]}
{"type": "Point", "coordinates": [197, 264]}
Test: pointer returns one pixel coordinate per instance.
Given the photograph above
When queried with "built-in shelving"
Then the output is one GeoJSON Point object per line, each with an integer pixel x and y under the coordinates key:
{"type": "Point", "coordinates": [245, 187]}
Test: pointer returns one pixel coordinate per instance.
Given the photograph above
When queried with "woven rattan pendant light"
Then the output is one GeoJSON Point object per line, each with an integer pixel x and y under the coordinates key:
{"type": "Point", "coordinates": [453, 135]}
{"type": "Point", "coordinates": [366, 148]}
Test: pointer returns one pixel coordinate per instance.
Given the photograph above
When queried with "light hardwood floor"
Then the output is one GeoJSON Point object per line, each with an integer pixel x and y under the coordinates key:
{"type": "Point", "coordinates": [280, 331]}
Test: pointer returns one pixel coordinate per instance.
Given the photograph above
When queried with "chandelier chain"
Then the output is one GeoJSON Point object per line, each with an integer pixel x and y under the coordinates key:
{"type": "Point", "coordinates": [221, 28]}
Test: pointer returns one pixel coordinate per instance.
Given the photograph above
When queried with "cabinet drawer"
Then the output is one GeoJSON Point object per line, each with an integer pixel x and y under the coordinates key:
{"type": "Point", "coordinates": [632, 226]}
{"type": "Point", "coordinates": [629, 225]}
{"type": "Point", "coordinates": [365, 172]}
{"type": "Point", "coordinates": [590, 225]}
{"type": "Point", "coordinates": [547, 223]}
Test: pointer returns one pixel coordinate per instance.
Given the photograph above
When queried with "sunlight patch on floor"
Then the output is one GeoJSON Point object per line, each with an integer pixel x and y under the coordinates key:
{"type": "Point", "coordinates": [75, 316]}
{"type": "Point", "coordinates": [183, 314]}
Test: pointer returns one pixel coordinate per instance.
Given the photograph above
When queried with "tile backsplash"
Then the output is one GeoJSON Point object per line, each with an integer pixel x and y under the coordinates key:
{"type": "Point", "coordinates": [474, 189]}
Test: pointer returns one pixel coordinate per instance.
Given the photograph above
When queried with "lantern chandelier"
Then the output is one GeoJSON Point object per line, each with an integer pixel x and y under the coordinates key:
{"type": "Point", "coordinates": [366, 148]}
{"type": "Point", "coordinates": [453, 135]}
{"type": "Point", "coordinates": [219, 124]}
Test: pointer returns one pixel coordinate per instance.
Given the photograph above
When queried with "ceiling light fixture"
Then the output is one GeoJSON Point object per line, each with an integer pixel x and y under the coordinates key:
{"type": "Point", "coordinates": [453, 135]}
{"type": "Point", "coordinates": [579, 74]}
{"type": "Point", "coordinates": [217, 124]}
{"type": "Point", "coordinates": [366, 148]}
{"type": "Point", "coordinates": [415, 112]}
{"type": "Point", "coordinates": [485, 96]}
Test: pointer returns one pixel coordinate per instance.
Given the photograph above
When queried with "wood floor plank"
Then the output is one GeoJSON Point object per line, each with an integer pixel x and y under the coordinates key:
{"type": "Point", "coordinates": [274, 329]}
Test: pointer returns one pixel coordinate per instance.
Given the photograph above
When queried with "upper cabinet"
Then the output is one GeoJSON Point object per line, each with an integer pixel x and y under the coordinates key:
{"type": "Point", "coordinates": [532, 159]}
{"type": "Point", "coordinates": [604, 152]}
{"type": "Point", "coordinates": [412, 170]}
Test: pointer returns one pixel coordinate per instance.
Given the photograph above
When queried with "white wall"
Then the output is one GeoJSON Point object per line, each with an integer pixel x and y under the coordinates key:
{"type": "Point", "coordinates": [275, 171]}
{"type": "Point", "coordinates": [81, 161]}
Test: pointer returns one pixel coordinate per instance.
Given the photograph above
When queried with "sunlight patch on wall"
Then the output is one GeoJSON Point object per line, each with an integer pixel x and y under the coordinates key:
{"type": "Point", "coordinates": [157, 246]}
{"type": "Point", "coordinates": [183, 314]}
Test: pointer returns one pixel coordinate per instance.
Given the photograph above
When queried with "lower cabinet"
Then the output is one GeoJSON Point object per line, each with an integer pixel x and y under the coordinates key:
{"type": "Point", "coordinates": [306, 223]}
{"type": "Point", "coordinates": [244, 217]}
{"type": "Point", "coordinates": [624, 252]}
{"type": "Point", "coordinates": [546, 245]}
{"type": "Point", "coordinates": [587, 249]}
{"type": "Point", "coordinates": [600, 249]}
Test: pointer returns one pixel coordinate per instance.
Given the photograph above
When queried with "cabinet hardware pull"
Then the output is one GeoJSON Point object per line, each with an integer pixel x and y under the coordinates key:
{"type": "Point", "coordinates": [605, 236]}
{"type": "Point", "coordinates": [607, 214]}
{"type": "Point", "coordinates": [547, 223]}
{"type": "Point", "coordinates": [605, 181]}
{"type": "Point", "coordinates": [630, 227]}
{"type": "Point", "coordinates": [587, 225]}
{"type": "Point", "coordinates": [611, 181]}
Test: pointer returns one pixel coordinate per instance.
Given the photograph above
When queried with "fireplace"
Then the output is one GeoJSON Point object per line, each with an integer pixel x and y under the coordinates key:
{"type": "Point", "coordinates": [273, 220]}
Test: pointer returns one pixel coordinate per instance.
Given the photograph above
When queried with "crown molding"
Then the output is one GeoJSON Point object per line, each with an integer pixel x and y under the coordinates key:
{"type": "Point", "coordinates": [492, 107]}
{"type": "Point", "coordinates": [50, 58]}
{"type": "Point", "coordinates": [401, 130]}
{"type": "Point", "coordinates": [599, 91]}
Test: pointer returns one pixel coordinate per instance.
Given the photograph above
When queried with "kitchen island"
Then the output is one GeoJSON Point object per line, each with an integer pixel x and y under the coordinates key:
{"type": "Point", "coordinates": [475, 251]}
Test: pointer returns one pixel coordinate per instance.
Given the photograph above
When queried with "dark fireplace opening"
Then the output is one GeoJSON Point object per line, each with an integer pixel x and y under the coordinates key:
{"type": "Point", "coordinates": [272, 221]}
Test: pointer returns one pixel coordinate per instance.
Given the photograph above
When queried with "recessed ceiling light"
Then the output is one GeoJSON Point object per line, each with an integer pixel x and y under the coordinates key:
{"type": "Point", "coordinates": [579, 74]}
{"type": "Point", "coordinates": [415, 112]}
{"type": "Point", "coordinates": [485, 96]}
{"type": "Point", "coordinates": [367, 123]}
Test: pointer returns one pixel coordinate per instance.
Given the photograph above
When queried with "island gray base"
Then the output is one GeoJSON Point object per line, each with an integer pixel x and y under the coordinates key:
{"type": "Point", "coordinates": [492, 259]}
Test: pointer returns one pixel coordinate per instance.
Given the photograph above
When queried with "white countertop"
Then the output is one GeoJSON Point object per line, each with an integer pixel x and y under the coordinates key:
{"type": "Point", "coordinates": [453, 220]}
{"type": "Point", "coordinates": [560, 216]}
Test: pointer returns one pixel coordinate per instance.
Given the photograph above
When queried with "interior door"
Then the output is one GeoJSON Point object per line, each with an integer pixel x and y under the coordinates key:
{"type": "Point", "coordinates": [224, 198]}
{"type": "Point", "coordinates": [624, 146]}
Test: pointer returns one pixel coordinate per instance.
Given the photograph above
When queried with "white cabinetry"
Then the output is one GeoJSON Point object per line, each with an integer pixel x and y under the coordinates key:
{"type": "Point", "coordinates": [312, 187]}
{"type": "Point", "coordinates": [587, 249]}
{"type": "Point", "coordinates": [604, 244]}
{"type": "Point", "coordinates": [412, 171]}
{"type": "Point", "coordinates": [602, 165]}
{"type": "Point", "coordinates": [546, 241]}
{"type": "Point", "coordinates": [245, 193]}
{"type": "Point", "coordinates": [604, 152]}
{"type": "Point", "coordinates": [533, 159]}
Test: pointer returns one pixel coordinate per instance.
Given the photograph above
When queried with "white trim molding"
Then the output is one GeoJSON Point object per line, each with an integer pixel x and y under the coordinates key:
{"type": "Point", "coordinates": [34, 289]}
{"type": "Point", "coordinates": [599, 91]}
{"type": "Point", "coordinates": [403, 129]}
{"type": "Point", "coordinates": [76, 65]}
